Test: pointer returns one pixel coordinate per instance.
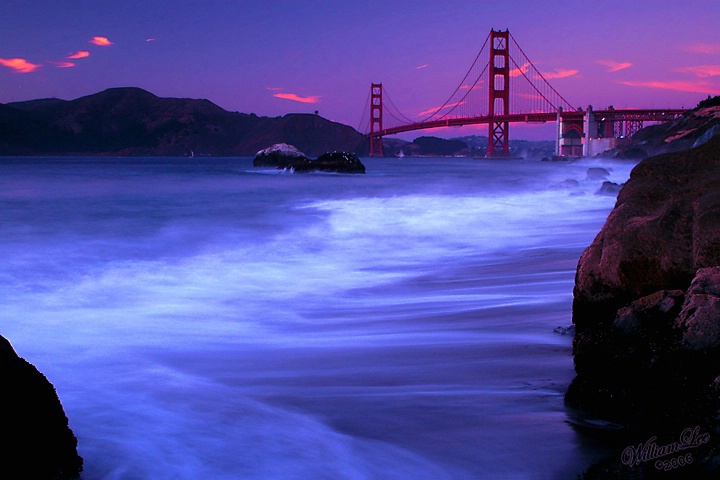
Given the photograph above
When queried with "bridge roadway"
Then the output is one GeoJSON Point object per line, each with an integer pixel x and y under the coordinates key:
{"type": "Point", "coordinates": [612, 115]}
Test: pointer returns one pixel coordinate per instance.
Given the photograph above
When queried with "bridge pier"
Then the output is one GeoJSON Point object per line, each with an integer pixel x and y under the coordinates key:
{"type": "Point", "coordinates": [571, 133]}
{"type": "Point", "coordinates": [376, 119]}
{"type": "Point", "coordinates": [589, 132]}
{"type": "Point", "coordinates": [499, 94]}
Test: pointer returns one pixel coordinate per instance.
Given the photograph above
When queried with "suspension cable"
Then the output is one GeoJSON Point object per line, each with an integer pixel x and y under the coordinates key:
{"type": "Point", "coordinates": [567, 104]}
{"type": "Point", "coordinates": [462, 82]}
{"type": "Point", "coordinates": [362, 118]}
{"type": "Point", "coordinates": [407, 120]}
{"type": "Point", "coordinates": [462, 100]}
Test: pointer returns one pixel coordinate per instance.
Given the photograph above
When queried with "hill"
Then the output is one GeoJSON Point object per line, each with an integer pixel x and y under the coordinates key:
{"type": "Point", "coordinates": [692, 129]}
{"type": "Point", "coordinates": [132, 121]}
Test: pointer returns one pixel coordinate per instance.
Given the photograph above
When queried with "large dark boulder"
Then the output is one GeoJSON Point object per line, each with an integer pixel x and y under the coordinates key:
{"type": "Point", "coordinates": [664, 228]}
{"type": "Point", "coordinates": [647, 299]}
{"type": "Point", "coordinates": [37, 441]}
{"type": "Point", "coordinates": [647, 314]}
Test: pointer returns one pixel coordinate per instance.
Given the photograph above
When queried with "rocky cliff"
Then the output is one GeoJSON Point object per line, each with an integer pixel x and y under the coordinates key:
{"type": "Point", "coordinates": [647, 311]}
{"type": "Point", "coordinates": [37, 442]}
{"type": "Point", "coordinates": [131, 121]}
{"type": "Point", "coordinates": [692, 129]}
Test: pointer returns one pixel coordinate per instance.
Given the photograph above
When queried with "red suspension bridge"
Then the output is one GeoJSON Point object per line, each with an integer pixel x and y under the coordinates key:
{"type": "Point", "coordinates": [502, 86]}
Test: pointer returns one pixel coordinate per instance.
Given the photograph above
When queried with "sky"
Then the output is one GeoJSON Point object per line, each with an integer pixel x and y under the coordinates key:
{"type": "Point", "coordinates": [274, 57]}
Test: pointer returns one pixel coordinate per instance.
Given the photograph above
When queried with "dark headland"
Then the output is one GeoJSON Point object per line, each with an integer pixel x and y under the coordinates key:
{"type": "Point", "coordinates": [134, 122]}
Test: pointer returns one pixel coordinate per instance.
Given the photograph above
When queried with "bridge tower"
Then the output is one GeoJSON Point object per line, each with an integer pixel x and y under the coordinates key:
{"type": "Point", "coordinates": [499, 88]}
{"type": "Point", "coordinates": [376, 119]}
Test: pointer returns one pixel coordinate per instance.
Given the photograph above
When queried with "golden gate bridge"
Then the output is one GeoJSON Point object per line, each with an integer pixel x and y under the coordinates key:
{"type": "Point", "coordinates": [503, 86]}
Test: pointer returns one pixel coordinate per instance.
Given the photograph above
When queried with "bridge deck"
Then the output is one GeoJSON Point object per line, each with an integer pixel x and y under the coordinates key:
{"type": "Point", "coordinates": [654, 115]}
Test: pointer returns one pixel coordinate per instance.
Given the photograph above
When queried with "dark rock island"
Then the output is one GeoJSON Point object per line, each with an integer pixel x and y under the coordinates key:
{"type": "Point", "coordinates": [37, 441]}
{"type": "Point", "coordinates": [286, 157]}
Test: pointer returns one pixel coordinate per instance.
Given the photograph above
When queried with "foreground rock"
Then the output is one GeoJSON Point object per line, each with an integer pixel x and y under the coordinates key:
{"type": "Point", "coordinates": [664, 228]}
{"type": "Point", "coordinates": [287, 157]}
{"type": "Point", "coordinates": [38, 444]}
{"type": "Point", "coordinates": [647, 307]}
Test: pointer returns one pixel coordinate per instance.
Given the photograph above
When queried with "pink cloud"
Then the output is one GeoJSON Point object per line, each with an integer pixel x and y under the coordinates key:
{"type": "Point", "coordinates": [614, 66]}
{"type": "Point", "coordinates": [425, 65]}
{"type": "Point", "coordinates": [531, 96]}
{"type": "Point", "coordinates": [435, 109]}
{"type": "Point", "coordinates": [80, 54]}
{"type": "Point", "coordinates": [516, 72]}
{"type": "Point", "coordinates": [297, 98]}
{"type": "Point", "coordinates": [704, 48]}
{"type": "Point", "coordinates": [559, 73]}
{"type": "Point", "coordinates": [275, 89]}
{"type": "Point", "coordinates": [101, 41]}
{"type": "Point", "coordinates": [64, 64]}
{"type": "Point", "coordinates": [150, 39]}
{"type": "Point", "coordinates": [19, 65]}
{"type": "Point", "coordinates": [694, 87]}
{"type": "Point", "coordinates": [702, 71]}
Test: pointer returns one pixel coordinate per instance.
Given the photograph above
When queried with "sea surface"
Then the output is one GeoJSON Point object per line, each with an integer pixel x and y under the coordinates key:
{"type": "Point", "coordinates": [202, 319]}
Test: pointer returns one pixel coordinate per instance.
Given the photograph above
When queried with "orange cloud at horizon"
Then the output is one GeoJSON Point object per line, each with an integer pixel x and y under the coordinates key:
{"type": "Point", "coordinates": [80, 54]}
{"type": "Point", "coordinates": [702, 71]}
{"type": "Point", "coordinates": [19, 65]}
{"type": "Point", "coordinates": [680, 86]}
{"type": "Point", "coordinates": [64, 64]}
{"type": "Point", "coordinates": [297, 98]}
{"type": "Point", "coordinates": [101, 41]}
{"type": "Point", "coordinates": [614, 66]}
{"type": "Point", "coordinates": [559, 73]}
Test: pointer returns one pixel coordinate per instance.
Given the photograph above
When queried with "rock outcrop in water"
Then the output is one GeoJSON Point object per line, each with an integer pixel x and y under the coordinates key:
{"type": "Point", "coordinates": [37, 441]}
{"type": "Point", "coordinates": [338, 162]}
{"type": "Point", "coordinates": [280, 155]}
{"type": "Point", "coordinates": [647, 301]}
{"type": "Point", "coordinates": [287, 157]}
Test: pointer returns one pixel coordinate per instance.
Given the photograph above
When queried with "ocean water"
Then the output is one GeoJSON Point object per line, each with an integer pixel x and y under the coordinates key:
{"type": "Point", "coordinates": [200, 318]}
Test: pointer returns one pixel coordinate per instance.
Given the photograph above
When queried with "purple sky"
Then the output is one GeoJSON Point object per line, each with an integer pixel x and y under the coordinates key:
{"type": "Point", "coordinates": [274, 57]}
